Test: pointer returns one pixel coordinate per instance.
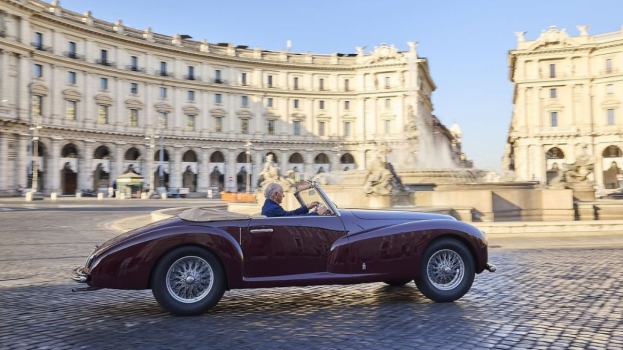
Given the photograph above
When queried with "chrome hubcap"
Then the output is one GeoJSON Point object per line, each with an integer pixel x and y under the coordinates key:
{"type": "Point", "coordinates": [445, 269]}
{"type": "Point", "coordinates": [189, 279]}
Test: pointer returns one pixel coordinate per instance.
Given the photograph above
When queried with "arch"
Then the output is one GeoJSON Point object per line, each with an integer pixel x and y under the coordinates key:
{"type": "Point", "coordinates": [132, 154]}
{"type": "Point", "coordinates": [165, 153]}
{"type": "Point", "coordinates": [242, 158]}
{"type": "Point", "coordinates": [612, 152]}
{"type": "Point", "coordinates": [296, 158]}
{"type": "Point", "coordinates": [555, 153]}
{"type": "Point", "coordinates": [102, 152]}
{"type": "Point", "coordinates": [347, 158]}
{"type": "Point", "coordinates": [217, 157]}
{"type": "Point", "coordinates": [275, 159]}
{"type": "Point", "coordinates": [189, 156]}
{"type": "Point", "coordinates": [321, 158]}
{"type": "Point", "coordinates": [69, 151]}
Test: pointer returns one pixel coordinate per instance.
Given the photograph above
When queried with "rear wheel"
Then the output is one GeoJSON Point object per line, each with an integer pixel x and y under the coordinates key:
{"type": "Point", "coordinates": [188, 281]}
{"type": "Point", "coordinates": [397, 283]}
{"type": "Point", "coordinates": [446, 271]}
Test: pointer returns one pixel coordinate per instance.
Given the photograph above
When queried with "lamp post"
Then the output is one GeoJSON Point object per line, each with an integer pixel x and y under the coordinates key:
{"type": "Point", "coordinates": [35, 164]}
{"type": "Point", "coordinates": [248, 145]}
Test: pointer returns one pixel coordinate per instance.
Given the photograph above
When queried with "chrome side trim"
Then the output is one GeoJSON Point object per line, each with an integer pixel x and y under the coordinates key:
{"type": "Point", "coordinates": [262, 230]}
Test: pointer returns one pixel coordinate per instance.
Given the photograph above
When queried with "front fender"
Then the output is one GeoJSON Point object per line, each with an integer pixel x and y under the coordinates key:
{"type": "Point", "coordinates": [128, 264]}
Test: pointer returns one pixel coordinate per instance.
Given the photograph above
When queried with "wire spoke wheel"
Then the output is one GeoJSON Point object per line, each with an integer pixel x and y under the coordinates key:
{"type": "Point", "coordinates": [445, 269]}
{"type": "Point", "coordinates": [189, 279]}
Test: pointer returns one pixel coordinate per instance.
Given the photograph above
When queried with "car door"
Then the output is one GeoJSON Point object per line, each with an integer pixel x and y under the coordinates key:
{"type": "Point", "coordinates": [293, 245]}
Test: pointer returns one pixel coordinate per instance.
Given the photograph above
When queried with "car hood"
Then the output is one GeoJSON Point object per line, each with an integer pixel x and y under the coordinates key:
{"type": "Point", "coordinates": [398, 215]}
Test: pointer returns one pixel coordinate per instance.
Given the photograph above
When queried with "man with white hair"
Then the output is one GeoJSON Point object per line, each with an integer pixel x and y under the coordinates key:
{"type": "Point", "coordinates": [272, 205]}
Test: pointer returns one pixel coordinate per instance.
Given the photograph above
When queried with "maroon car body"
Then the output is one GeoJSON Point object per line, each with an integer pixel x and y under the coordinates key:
{"type": "Point", "coordinates": [347, 247]}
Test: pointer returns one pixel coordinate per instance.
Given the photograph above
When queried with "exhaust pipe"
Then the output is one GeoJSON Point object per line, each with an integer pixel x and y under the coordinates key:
{"type": "Point", "coordinates": [491, 267]}
{"type": "Point", "coordinates": [85, 289]}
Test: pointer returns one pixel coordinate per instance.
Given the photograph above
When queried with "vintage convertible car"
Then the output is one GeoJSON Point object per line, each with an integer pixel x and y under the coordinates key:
{"type": "Point", "coordinates": [188, 261]}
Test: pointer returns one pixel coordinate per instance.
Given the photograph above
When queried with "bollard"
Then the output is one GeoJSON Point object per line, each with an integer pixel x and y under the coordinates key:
{"type": "Point", "coordinates": [78, 195]}
{"type": "Point", "coordinates": [28, 196]}
{"type": "Point", "coordinates": [100, 196]}
{"type": "Point", "coordinates": [121, 195]}
{"type": "Point", "coordinates": [53, 196]}
{"type": "Point", "coordinates": [143, 195]}
{"type": "Point", "coordinates": [209, 193]}
{"type": "Point", "coordinates": [163, 196]}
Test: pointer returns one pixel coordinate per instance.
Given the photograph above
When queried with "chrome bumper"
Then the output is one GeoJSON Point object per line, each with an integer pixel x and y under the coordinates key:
{"type": "Point", "coordinates": [78, 275]}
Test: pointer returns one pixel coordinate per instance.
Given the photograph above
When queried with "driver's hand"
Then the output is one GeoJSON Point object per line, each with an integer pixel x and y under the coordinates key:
{"type": "Point", "coordinates": [322, 210]}
{"type": "Point", "coordinates": [313, 205]}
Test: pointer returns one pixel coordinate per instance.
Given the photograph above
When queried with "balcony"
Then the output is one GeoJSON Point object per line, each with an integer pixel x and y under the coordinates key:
{"type": "Point", "coordinates": [164, 73]}
{"type": "Point", "coordinates": [608, 71]}
{"type": "Point", "coordinates": [192, 77]}
{"type": "Point", "coordinates": [73, 55]}
{"type": "Point", "coordinates": [135, 68]}
{"type": "Point", "coordinates": [218, 81]}
{"type": "Point", "coordinates": [106, 63]}
{"type": "Point", "coordinates": [388, 86]}
{"type": "Point", "coordinates": [40, 47]}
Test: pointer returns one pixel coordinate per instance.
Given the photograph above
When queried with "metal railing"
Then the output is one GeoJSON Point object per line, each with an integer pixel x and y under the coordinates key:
{"type": "Point", "coordinates": [40, 46]}
{"type": "Point", "coordinates": [105, 63]}
{"type": "Point", "coordinates": [192, 77]}
{"type": "Point", "coordinates": [135, 68]}
{"type": "Point", "coordinates": [73, 55]}
{"type": "Point", "coordinates": [164, 73]}
{"type": "Point", "coordinates": [218, 81]}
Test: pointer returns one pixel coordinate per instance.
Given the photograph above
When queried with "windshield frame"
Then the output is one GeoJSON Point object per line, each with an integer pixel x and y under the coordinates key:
{"type": "Point", "coordinates": [314, 185]}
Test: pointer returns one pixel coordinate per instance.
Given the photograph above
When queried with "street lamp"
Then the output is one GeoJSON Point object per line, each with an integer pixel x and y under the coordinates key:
{"type": "Point", "coordinates": [248, 145]}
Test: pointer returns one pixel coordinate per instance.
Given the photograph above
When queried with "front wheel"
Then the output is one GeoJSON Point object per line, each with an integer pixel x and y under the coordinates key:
{"type": "Point", "coordinates": [446, 271]}
{"type": "Point", "coordinates": [188, 281]}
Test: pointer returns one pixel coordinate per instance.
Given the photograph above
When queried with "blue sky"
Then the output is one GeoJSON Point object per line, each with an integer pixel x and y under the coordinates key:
{"type": "Point", "coordinates": [466, 42]}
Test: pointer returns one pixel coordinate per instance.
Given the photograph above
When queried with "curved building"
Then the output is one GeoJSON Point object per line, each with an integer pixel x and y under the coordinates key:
{"type": "Point", "coordinates": [84, 101]}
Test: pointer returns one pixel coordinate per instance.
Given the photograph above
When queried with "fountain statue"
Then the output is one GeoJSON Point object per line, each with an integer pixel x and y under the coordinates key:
{"type": "Point", "coordinates": [575, 176]}
{"type": "Point", "coordinates": [270, 173]}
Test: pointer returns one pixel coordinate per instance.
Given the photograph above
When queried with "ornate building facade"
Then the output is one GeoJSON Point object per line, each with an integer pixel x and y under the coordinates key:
{"type": "Point", "coordinates": [100, 99]}
{"type": "Point", "coordinates": [567, 103]}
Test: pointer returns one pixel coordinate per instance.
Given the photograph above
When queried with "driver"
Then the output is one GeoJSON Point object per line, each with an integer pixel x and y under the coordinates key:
{"type": "Point", "coordinates": [272, 205]}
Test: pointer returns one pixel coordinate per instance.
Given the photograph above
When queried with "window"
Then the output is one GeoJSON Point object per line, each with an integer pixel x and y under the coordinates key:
{"type": "Point", "coordinates": [608, 66]}
{"type": "Point", "coordinates": [296, 104]}
{"type": "Point", "coordinates": [102, 114]}
{"type": "Point", "coordinates": [387, 82]}
{"type": "Point", "coordinates": [297, 127]}
{"type": "Point", "coordinates": [553, 116]}
{"type": "Point", "coordinates": [104, 56]}
{"type": "Point", "coordinates": [321, 84]}
{"type": "Point", "coordinates": [552, 70]}
{"type": "Point", "coordinates": [217, 76]}
{"type": "Point", "coordinates": [133, 117]}
{"type": "Point", "coordinates": [609, 89]}
{"type": "Point", "coordinates": [163, 68]}
{"type": "Point", "coordinates": [191, 73]}
{"type": "Point", "coordinates": [218, 124]}
{"type": "Point", "coordinates": [552, 93]}
{"type": "Point", "coordinates": [321, 104]}
{"type": "Point", "coordinates": [37, 105]}
{"type": "Point", "coordinates": [388, 126]}
{"type": "Point", "coordinates": [346, 128]}
{"type": "Point", "coordinates": [134, 62]}
{"type": "Point", "coordinates": [610, 116]}
{"type": "Point", "coordinates": [271, 127]}
{"type": "Point", "coordinates": [388, 103]}
{"type": "Point", "coordinates": [270, 81]}
{"type": "Point", "coordinates": [269, 102]}
{"type": "Point", "coordinates": [321, 128]}
{"type": "Point", "coordinates": [38, 39]}
{"type": "Point", "coordinates": [296, 83]}
{"type": "Point", "coordinates": [243, 78]}
{"type": "Point", "coordinates": [191, 95]}
{"type": "Point", "coordinates": [163, 119]}
{"type": "Point", "coordinates": [134, 88]}
{"type": "Point", "coordinates": [244, 126]}
{"type": "Point", "coordinates": [71, 77]}
{"type": "Point", "coordinates": [71, 108]}
{"type": "Point", "coordinates": [104, 83]}
{"type": "Point", "coordinates": [346, 105]}
{"type": "Point", "coordinates": [346, 85]}
{"type": "Point", "coordinates": [72, 48]}
{"type": "Point", "coordinates": [163, 92]}
{"type": "Point", "coordinates": [190, 122]}
{"type": "Point", "coordinates": [218, 98]}
{"type": "Point", "coordinates": [38, 71]}
{"type": "Point", "coordinates": [245, 101]}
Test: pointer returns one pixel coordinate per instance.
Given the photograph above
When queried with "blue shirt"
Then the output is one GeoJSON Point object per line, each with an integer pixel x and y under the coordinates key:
{"type": "Point", "coordinates": [272, 209]}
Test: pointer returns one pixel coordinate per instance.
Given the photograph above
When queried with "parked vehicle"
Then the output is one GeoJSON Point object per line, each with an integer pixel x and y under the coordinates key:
{"type": "Point", "coordinates": [190, 260]}
{"type": "Point", "coordinates": [88, 193]}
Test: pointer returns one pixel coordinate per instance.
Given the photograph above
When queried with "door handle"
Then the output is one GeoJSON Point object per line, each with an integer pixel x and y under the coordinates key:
{"type": "Point", "coordinates": [262, 230]}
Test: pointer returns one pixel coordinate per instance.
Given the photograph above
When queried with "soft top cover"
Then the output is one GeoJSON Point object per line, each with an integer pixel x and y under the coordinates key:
{"type": "Point", "coordinates": [199, 214]}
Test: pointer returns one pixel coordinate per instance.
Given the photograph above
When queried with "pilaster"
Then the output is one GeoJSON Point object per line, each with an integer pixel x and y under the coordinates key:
{"type": "Point", "coordinates": [54, 170]}
{"type": "Point", "coordinates": [5, 187]}
{"type": "Point", "coordinates": [230, 171]}
{"type": "Point", "coordinates": [203, 181]}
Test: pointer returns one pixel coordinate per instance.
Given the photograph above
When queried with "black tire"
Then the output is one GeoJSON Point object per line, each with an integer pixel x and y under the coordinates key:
{"type": "Point", "coordinates": [450, 285]}
{"type": "Point", "coordinates": [170, 296]}
{"type": "Point", "coordinates": [397, 283]}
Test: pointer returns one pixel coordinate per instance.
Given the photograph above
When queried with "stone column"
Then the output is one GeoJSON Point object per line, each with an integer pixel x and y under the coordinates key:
{"type": "Point", "coordinates": [25, 32]}
{"type": "Point", "coordinates": [360, 126]}
{"type": "Point", "coordinates": [117, 163]}
{"type": "Point", "coordinates": [335, 161]}
{"type": "Point", "coordinates": [360, 159]}
{"type": "Point", "coordinates": [521, 161]}
{"type": "Point", "coordinates": [85, 172]}
{"type": "Point", "coordinates": [599, 171]}
{"type": "Point", "coordinates": [89, 103]}
{"type": "Point", "coordinates": [309, 170]}
{"type": "Point", "coordinates": [25, 79]}
{"type": "Point", "coordinates": [5, 187]}
{"type": "Point", "coordinates": [53, 168]}
{"type": "Point", "coordinates": [230, 171]}
{"type": "Point", "coordinates": [149, 119]}
{"type": "Point", "coordinates": [203, 182]}
{"type": "Point", "coordinates": [118, 119]}
{"type": "Point", "coordinates": [283, 162]}
{"type": "Point", "coordinates": [258, 162]}
{"type": "Point", "coordinates": [175, 166]}
{"type": "Point", "coordinates": [21, 172]}
{"type": "Point", "coordinates": [56, 99]}
{"type": "Point", "coordinates": [4, 82]}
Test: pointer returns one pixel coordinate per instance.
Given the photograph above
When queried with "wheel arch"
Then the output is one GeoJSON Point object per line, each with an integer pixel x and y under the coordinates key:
{"type": "Point", "coordinates": [461, 239]}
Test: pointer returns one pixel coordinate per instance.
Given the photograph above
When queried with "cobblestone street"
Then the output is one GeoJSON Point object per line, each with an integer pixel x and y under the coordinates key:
{"type": "Point", "coordinates": [539, 298]}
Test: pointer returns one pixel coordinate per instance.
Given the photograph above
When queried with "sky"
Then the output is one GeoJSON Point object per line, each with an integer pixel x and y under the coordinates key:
{"type": "Point", "coordinates": [466, 42]}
